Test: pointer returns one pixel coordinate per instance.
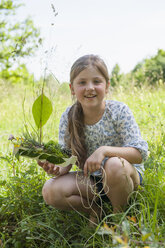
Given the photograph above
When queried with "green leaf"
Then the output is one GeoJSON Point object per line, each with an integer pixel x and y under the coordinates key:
{"type": "Point", "coordinates": [55, 160]}
{"type": "Point", "coordinates": [28, 153]}
{"type": "Point", "coordinates": [17, 155]}
{"type": "Point", "coordinates": [146, 236]}
{"type": "Point", "coordinates": [41, 109]}
{"type": "Point", "coordinates": [43, 156]}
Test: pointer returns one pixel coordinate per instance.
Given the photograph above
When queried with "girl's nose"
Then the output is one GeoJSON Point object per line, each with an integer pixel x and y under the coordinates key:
{"type": "Point", "coordinates": [90, 86]}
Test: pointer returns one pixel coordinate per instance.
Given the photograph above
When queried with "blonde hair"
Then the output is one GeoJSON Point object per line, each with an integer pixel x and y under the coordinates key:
{"type": "Point", "coordinates": [76, 141]}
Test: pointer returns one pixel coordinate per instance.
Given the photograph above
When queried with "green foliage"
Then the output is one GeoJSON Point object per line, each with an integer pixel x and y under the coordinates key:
{"type": "Point", "coordinates": [116, 77]}
{"type": "Point", "coordinates": [150, 71]}
{"type": "Point", "coordinates": [51, 151]}
{"type": "Point", "coordinates": [64, 89]}
{"type": "Point", "coordinates": [18, 39]}
{"type": "Point", "coordinates": [155, 68]}
{"type": "Point", "coordinates": [18, 75]}
{"type": "Point", "coordinates": [29, 146]}
{"type": "Point", "coordinates": [8, 5]}
{"type": "Point", "coordinates": [26, 221]}
{"type": "Point", "coordinates": [41, 109]}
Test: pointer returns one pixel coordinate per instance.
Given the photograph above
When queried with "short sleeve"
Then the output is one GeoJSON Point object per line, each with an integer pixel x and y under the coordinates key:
{"type": "Point", "coordinates": [129, 132]}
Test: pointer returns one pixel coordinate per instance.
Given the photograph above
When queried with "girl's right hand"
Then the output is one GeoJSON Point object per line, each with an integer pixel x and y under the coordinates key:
{"type": "Point", "coordinates": [49, 168]}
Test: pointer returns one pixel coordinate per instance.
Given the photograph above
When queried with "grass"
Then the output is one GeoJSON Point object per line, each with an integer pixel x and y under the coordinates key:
{"type": "Point", "coordinates": [26, 221]}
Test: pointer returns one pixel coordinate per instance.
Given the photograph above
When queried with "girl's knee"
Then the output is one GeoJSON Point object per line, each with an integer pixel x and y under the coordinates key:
{"type": "Point", "coordinates": [50, 192]}
{"type": "Point", "coordinates": [115, 168]}
{"type": "Point", "coordinates": [46, 192]}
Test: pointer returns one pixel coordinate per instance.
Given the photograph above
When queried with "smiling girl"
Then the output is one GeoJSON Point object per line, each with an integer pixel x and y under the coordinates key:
{"type": "Point", "coordinates": [105, 138]}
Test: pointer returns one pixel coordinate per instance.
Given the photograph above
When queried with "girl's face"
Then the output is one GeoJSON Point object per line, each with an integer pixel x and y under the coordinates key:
{"type": "Point", "coordinates": [90, 88]}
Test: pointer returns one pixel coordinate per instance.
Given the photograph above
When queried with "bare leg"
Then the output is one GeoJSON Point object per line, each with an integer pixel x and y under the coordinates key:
{"type": "Point", "coordinates": [72, 191]}
{"type": "Point", "coordinates": [120, 179]}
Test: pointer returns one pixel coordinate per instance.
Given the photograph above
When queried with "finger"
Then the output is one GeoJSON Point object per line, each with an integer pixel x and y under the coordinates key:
{"type": "Point", "coordinates": [45, 163]}
{"type": "Point", "coordinates": [56, 171]}
{"type": "Point", "coordinates": [47, 166]}
{"type": "Point", "coordinates": [50, 171]}
{"type": "Point", "coordinates": [40, 163]}
{"type": "Point", "coordinates": [96, 167]}
{"type": "Point", "coordinates": [93, 167]}
{"type": "Point", "coordinates": [50, 168]}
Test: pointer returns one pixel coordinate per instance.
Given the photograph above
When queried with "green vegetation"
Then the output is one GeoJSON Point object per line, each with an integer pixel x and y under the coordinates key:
{"type": "Point", "coordinates": [18, 39]}
{"type": "Point", "coordinates": [150, 71]}
{"type": "Point", "coordinates": [26, 221]}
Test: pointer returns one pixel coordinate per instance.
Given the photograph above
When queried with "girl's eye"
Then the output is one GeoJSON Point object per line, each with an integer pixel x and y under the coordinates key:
{"type": "Point", "coordinates": [82, 82]}
{"type": "Point", "coordinates": [96, 81]}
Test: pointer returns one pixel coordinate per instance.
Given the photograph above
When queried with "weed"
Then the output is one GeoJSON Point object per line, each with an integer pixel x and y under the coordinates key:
{"type": "Point", "coordinates": [26, 221]}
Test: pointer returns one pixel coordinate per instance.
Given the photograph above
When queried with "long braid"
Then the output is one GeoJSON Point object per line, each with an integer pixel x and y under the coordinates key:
{"type": "Point", "coordinates": [76, 131]}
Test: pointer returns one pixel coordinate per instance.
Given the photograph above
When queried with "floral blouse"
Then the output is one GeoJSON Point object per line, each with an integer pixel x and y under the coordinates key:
{"type": "Point", "coordinates": [117, 127]}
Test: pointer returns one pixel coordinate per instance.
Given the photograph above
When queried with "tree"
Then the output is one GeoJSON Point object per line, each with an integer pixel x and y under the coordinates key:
{"type": "Point", "coordinates": [150, 71]}
{"type": "Point", "coordinates": [116, 76]}
{"type": "Point", "coordinates": [18, 39]}
{"type": "Point", "coordinates": [155, 68]}
{"type": "Point", "coordinates": [138, 74]}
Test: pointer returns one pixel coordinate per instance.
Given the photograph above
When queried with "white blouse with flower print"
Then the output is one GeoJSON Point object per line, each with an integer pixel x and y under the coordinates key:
{"type": "Point", "coordinates": [117, 127]}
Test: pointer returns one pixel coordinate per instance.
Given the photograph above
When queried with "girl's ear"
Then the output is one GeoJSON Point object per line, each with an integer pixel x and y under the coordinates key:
{"type": "Point", "coordinates": [71, 89]}
{"type": "Point", "coordinates": [107, 87]}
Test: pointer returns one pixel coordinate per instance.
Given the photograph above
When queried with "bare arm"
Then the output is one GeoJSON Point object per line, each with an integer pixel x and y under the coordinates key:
{"type": "Point", "coordinates": [131, 154]}
{"type": "Point", "coordinates": [93, 163]}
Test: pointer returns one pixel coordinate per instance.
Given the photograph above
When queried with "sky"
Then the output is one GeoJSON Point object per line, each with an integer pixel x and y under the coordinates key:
{"type": "Point", "coordinates": [120, 31]}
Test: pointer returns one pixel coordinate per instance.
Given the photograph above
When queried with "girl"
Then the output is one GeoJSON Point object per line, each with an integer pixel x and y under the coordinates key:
{"type": "Point", "coordinates": [105, 138]}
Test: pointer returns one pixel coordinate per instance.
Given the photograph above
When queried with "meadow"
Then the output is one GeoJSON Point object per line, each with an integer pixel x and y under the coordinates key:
{"type": "Point", "coordinates": [26, 221]}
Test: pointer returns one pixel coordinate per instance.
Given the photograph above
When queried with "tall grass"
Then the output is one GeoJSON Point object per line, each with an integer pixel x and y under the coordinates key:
{"type": "Point", "coordinates": [26, 221]}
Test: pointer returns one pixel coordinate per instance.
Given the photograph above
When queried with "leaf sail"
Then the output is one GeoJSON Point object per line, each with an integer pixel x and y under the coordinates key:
{"type": "Point", "coordinates": [37, 153]}
{"type": "Point", "coordinates": [41, 110]}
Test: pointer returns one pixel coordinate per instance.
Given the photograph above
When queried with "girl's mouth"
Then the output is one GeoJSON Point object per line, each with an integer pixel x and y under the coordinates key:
{"type": "Point", "coordinates": [90, 96]}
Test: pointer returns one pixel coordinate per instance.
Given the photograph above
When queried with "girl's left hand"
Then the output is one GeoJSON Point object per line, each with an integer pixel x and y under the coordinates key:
{"type": "Point", "coordinates": [93, 163]}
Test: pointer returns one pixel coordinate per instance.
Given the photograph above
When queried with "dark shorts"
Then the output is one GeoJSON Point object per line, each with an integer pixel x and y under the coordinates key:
{"type": "Point", "coordinates": [141, 179]}
{"type": "Point", "coordinates": [102, 195]}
